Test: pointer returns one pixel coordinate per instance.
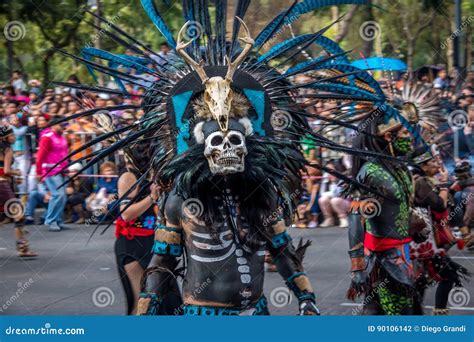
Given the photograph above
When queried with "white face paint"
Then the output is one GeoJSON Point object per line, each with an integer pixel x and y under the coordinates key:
{"type": "Point", "coordinates": [225, 152]}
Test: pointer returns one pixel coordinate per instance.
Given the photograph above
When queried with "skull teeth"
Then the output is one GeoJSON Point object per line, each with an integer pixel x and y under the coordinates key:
{"type": "Point", "coordinates": [228, 161]}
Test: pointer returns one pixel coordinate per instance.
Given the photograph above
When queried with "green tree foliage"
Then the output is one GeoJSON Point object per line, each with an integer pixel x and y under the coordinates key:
{"type": "Point", "coordinates": [63, 24]}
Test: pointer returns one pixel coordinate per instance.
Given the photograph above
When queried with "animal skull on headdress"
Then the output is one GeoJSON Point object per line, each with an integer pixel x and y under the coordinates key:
{"type": "Point", "coordinates": [218, 94]}
{"type": "Point", "coordinates": [225, 147]}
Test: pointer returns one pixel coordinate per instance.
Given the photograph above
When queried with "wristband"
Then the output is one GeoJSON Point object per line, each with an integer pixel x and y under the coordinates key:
{"type": "Point", "coordinates": [357, 264]}
{"type": "Point", "coordinates": [148, 304]}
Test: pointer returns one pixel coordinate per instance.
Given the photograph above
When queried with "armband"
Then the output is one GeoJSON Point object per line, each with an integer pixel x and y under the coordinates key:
{"type": "Point", "coordinates": [358, 264]}
{"type": "Point", "coordinates": [167, 241]}
{"type": "Point", "coordinates": [280, 239]}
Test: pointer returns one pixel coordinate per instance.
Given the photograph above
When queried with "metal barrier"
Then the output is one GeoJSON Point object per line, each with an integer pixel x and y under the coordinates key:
{"type": "Point", "coordinates": [84, 137]}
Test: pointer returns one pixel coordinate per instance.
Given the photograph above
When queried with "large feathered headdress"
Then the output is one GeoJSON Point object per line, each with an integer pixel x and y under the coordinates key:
{"type": "Point", "coordinates": [231, 84]}
{"type": "Point", "coordinates": [422, 104]}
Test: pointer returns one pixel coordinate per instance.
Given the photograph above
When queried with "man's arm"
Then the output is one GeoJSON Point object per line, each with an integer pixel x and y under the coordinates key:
{"type": "Point", "coordinates": [361, 203]}
{"type": "Point", "coordinates": [289, 262]}
{"type": "Point", "coordinates": [356, 252]}
{"type": "Point", "coordinates": [168, 247]}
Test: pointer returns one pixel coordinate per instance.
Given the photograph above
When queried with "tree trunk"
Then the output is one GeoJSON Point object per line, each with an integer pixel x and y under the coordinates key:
{"type": "Point", "coordinates": [410, 53]}
{"type": "Point", "coordinates": [468, 49]}
{"type": "Point", "coordinates": [368, 45]}
{"type": "Point", "coordinates": [98, 40]}
{"type": "Point", "coordinates": [48, 54]}
{"type": "Point", "coordinates": [450, 52]}
{"type": "Point", "coordinates": [9, 43]}
{"type": "Point", "coordinates": [343, 28]}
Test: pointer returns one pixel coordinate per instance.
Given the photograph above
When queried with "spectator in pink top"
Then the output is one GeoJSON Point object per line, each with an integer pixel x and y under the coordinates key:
{"type": "Point", "coordinates": [53, 148]}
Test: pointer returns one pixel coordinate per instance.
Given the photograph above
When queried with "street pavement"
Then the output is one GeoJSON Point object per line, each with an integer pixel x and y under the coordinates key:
{"type": "Point", "coordinates": [72, 276]}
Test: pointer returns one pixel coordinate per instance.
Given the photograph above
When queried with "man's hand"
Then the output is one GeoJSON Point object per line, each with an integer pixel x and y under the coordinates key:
{"type": "Point", "coordinates": [308, 308]}
{"type": "Point", "coordinates": [444, 174]}
{"type": "Point", "coordinates": [359, 284]}
{"type": "Point", "coordinates": [155, 192]}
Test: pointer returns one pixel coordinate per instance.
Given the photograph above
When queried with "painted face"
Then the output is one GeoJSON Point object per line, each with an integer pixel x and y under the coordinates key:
{"type": "Point", "coordinates": [403, 142]}
{"type": "Point", "coordinates": [403, 146]}
{"type": "Point", "coordinates": [225, 152]}
{"type": "Point", "coordinates": [218, 97]}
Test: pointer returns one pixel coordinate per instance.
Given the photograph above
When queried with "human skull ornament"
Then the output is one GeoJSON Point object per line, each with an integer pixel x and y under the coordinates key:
{"type": "Point", "coordinates": [218, 97]}
{"type": "Point", "coordinates": [225, 152]}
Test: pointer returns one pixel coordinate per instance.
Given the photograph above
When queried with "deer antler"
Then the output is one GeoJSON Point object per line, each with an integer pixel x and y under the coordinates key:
{"type": "Point", "coordinates": [180, 46]}
{"type": "Point", "coordinates": [249, 42]}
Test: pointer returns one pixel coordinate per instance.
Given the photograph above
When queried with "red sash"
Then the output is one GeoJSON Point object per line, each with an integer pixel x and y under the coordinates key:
{"type": "Point", "coordinates": [126, 228]}
{"type": "Point", "coordinates": [380, 244]}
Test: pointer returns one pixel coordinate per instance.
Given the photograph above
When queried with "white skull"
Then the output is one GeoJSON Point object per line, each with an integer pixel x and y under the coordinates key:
{"type": "Point", "coordinates": [225, 152]}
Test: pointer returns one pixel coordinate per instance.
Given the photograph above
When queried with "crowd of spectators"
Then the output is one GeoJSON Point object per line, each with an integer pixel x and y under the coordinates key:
{"type": "Point", "coordinates": [29, 106]}
{"type": "Point", "coordinates": [322, 205]}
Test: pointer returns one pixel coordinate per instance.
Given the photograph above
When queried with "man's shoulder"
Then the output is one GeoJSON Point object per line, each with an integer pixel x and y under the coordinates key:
{"type": "Point", "coordinates": [371, 168]}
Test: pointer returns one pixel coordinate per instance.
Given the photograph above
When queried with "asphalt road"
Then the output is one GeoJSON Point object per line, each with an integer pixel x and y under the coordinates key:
{"type": "Point", "coordinates": [71, 277]}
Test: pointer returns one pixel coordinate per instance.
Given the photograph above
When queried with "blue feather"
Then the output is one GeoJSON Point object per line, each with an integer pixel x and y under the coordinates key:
{"type": "Point", "coordinates": [89, 68]}
{"type": "Point", "coordinates": [285, 46]}
{"type": "Point", "coordinates": [344, 89]}
{"type": "Point", "coordinates": [302, 65]}
{"type": "Point", "coordinates": [125, 60]}
{"type": "Point", "coordinates": [158, 21]}
{"type": "Point", "coordinates": [331, 47]}
{"type": "Point", "coordinates": [301, 8]}
{"type": "Point", "coordinates": [117, 80]}
{"type": "Point", "coordinates": [364, 76]}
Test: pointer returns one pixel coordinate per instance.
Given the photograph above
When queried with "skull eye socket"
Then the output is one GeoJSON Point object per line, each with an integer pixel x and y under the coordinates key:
{"type": "Point", "coordinates": [217, 140]}
{"type": "Point", "coordinates": [235, 140]}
